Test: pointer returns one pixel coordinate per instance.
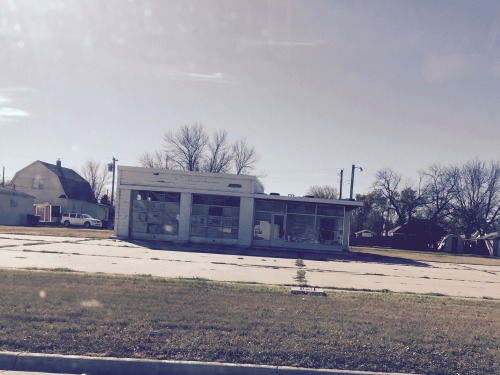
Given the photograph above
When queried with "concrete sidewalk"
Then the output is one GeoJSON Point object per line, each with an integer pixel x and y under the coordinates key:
{"type": "Point", "coordinates": [33, 363]}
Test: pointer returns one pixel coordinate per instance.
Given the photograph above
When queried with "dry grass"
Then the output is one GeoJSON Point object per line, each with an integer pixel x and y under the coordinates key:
{"type": "Point", "coordinates": [57, 231]}
{"type": "Point", "coordinates": [55, 312]}
{"type": "Point", "coordinates": [425, 256]}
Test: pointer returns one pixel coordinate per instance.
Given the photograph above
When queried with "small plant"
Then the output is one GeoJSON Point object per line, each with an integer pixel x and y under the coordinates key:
{"type": "Point", "coordinates": [301, 274]}
{"type": "Point", "coordinates": [301, 277]}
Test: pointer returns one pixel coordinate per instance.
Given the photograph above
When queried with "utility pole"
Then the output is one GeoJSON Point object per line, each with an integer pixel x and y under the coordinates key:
{"type": "Point", "coordinates": [341, 182]}
{"type": "Point", "coordinates": [352, 178]}
{"type": "Point", "coordinates": [112, 168]}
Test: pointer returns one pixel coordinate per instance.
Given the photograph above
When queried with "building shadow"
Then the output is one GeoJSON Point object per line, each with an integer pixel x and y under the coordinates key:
{"type": "Point", "coordinates": [281, 253]}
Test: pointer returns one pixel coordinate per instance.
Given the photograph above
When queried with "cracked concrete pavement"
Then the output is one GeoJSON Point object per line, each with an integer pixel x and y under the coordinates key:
{"type": "Point", "coordinates": [243, 265]}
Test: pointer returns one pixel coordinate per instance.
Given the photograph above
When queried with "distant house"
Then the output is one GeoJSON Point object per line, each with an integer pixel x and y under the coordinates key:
{"type": "Point", "coordinates": [451, 243]}
{"type": "Point", "coordinates": [365, 237]}
{"type": "Point", "coordinates": [491, 242]}
{"type": "Point", "coordinates": [419, 234]}
{"type": "Point", "coordinates": [15, 206]}
{"type": "Point", "coordinates": [57, 190]}
{"type": "Point", "coordinates": [365, 233]}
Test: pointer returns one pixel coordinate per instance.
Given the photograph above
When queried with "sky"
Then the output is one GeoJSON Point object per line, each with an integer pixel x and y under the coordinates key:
{"type": "Point", "coordinates": [314, 86]}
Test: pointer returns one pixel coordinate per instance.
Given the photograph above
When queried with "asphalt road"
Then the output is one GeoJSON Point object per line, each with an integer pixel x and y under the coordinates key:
{"type": "Point", "coordinates": [242, 265]}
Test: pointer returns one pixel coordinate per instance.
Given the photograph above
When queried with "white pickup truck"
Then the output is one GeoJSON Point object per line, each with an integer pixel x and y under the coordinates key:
{"type": "Point", "coordinates": [75, 219]}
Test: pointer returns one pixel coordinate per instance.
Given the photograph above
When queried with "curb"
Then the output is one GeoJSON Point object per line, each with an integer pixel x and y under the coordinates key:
{"type": "Point", "coordinates": [20, 361]}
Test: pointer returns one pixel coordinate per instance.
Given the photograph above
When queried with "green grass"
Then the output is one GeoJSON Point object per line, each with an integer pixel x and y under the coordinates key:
{"type": "Point", "coordinates": [200, 320]}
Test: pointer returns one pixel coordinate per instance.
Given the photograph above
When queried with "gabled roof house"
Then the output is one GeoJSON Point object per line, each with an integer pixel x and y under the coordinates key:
{"type": "Point", "coordinates": [56, 190]}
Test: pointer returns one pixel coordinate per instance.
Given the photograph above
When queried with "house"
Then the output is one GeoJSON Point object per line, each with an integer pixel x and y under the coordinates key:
{"type": "Point", "coordinates": [451, 243]}
{"type": "Point", "coordinates": [57, 190]}
{"type": "Point", "coordinates": [365, 233]}
{"type": "Point", "coordinates": [421, 234]}
{"type": "Point", "coordinates": [365, 237]}
{"type": "Point", "coordinates": [15, 206]}
{"type": "Point", "coordinates": [491, 242]}
{"type": "Point", "coordinates": [216, 208]}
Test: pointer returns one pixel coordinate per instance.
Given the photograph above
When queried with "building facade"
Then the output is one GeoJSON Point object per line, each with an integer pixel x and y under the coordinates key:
{"type": "Point", "coordinates": [179, 206]}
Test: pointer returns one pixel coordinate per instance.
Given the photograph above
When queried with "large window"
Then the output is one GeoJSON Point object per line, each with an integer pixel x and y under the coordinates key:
{"type": "Point", "coordinates": [155, 212]}
{"type": "Point", "coordinates": [215, 216]}
{"type": "Point", "coordinates": [302, 222]}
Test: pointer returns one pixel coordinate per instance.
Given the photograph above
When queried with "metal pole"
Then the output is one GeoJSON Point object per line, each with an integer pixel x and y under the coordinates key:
{"type": "Point", "coordinates": [341, 182]}
{"type": "Point", "coordinates": [352, 180]}
{"type": "Point", "coordinates": [113, 182]}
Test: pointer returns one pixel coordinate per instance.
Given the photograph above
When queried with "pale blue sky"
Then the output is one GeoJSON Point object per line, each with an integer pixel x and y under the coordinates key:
{"type": "Point", "coordinates": [315, 86]}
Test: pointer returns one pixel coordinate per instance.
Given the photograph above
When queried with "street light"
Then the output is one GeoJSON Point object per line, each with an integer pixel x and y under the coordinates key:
{"type": "Point", "coordinates": [111, 168]}
{"type": "Point", "coordinates": [352, 178]}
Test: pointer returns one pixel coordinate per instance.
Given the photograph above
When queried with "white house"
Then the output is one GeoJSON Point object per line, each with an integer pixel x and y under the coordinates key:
{"type": "Point", "coordinates": [160, 204]}
{"type": "Point", "coordinates": [57, 190]}
{"type": "Point", "coordinates": [14, 206]}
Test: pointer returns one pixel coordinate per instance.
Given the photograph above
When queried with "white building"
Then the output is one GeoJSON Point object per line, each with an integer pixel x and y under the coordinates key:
{"type": "Point", "coordinates": [160, 204]}
{"type": "Point", "coordinates": [14, 206]}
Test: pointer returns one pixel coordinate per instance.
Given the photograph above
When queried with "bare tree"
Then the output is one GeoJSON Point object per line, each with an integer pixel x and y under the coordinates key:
{"type": "Point", "coordinates": [387, 183]}
{"type": "Point", "coordinates": [186, 147]}
{"type": "Point", "coordinates": [372, 216]}
{"type": "Point", "coordinates": [97, 175]}
{"type": "Point", "coordinates": [245, 157]}
{"type": "Point", "coordinates": [477, 197]}
{"type": "Point", "coordinates": [220, 155]}
{"type": "Point", "coordinates": [325, 192]}
{"type": "Point", "coordinates": [155, 159]}
{"type": "Point", "coordinates": [404, 201]}
{"type": "Point", "coordinates": [439, 185]}
{"type": "Point", "coordinates": [191, 149]}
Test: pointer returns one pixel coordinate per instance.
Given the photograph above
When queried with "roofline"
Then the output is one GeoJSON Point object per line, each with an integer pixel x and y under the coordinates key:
{"type": "Point", "coordinates": [192, 173]}
{"type": "Point", "coordinates": [13, 191]}
{"type": "Point", "coordinates": [22, 169]}
{"type": "Point", "coordinates": [343, 202]}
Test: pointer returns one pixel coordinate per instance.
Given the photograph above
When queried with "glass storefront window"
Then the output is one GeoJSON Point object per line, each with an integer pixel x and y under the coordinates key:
{"type": "Point", "coordinates": [329, 231]}
{"type": "Point", "coordinates": [270, 206]}
{"type": "Point", "coordinates": [215, 216]}
{"type": "Point", "coordinates": [262, 226]}
{"type": "Point", "coordinates": [304, 222]}
{"type": "Point", "coordinates": [300, 228]}
{"type": "Point", "coordinates": [301, 208]}
{"type": "Point", "coordinates": [330, 211]}
{"type": "Point", "coordinates": [155, 212]}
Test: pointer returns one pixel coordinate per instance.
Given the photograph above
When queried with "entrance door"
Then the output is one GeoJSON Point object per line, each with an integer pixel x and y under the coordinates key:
{"type": "Point", "coordinates": [278, 230]}
{"type": "Point", "coordinates": [454, 244]}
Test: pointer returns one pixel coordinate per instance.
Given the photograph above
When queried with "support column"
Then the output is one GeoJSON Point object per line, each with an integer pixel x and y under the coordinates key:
{"type": "Point", "coordinates": [184, 218]}
{"type": "Point", "coordinates": [347, 230]}
{"type": "Point", "coordinates": [245, 231]}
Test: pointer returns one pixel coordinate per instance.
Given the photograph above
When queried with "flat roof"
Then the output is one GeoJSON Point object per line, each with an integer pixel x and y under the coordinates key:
{"type": "Point", "coordinates": [339, 202]}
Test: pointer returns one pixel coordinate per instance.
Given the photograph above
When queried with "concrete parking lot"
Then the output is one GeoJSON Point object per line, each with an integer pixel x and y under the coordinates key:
{"type": "Point", "coordinates": [242, 265]}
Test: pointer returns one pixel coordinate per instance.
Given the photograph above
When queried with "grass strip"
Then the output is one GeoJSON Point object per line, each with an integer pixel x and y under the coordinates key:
{"type": "Point", "coordinates": [199, 320]}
